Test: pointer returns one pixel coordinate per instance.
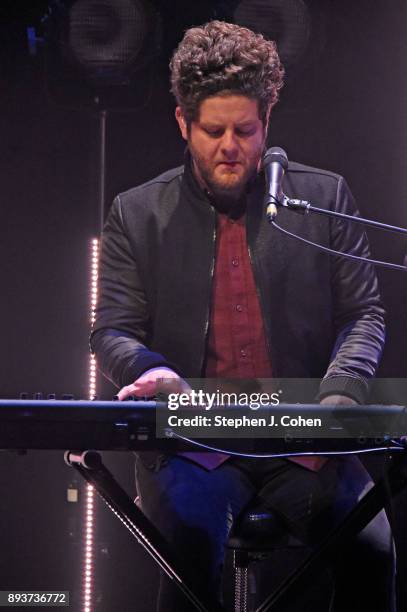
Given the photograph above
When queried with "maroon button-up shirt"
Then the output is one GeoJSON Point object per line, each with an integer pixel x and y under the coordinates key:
{"type": "Point", "coordinates": [236, 345]}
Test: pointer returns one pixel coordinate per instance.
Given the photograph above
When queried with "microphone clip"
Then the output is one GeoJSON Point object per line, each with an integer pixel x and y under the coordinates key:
{"type": "Point", "coordinates": [298, 206]}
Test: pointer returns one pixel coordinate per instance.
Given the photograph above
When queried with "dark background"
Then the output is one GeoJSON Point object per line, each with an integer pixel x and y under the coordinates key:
{"type": "Point", "coordinates": [343, 109]}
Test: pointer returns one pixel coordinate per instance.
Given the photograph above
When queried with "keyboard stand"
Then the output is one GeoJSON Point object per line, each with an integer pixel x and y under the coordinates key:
{"type": "Point", "coordinates": [333, 544]}
{"type": "Point", "coordinates": [89, 465]}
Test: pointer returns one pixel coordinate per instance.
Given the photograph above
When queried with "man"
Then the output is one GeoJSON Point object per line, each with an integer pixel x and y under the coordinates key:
{"type": "Point", "coordinates": [195, 283]}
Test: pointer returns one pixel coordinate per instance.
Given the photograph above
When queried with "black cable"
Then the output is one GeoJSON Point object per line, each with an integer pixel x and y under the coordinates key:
{"type": "Point", "coordinates": [201, 445]}
{"type": "Point", "coordinates": [375, 262]}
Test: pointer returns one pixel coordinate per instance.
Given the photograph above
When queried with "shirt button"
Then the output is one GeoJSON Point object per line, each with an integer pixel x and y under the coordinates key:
{"type": "Point", "coordinates": [235, 262]}
{"type": "Point", "coordinates": [243, 353]}
{"type": "Point", "coordinates": [239, 308]}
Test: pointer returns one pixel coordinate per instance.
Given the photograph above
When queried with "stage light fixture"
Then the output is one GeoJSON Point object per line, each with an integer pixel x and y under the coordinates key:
{"type": "Point", "coordinates": [106, 37]}
{"type": "Point", "coordinates": [95, 50]}
{"type": "Point", "coordinates": [287, 22]}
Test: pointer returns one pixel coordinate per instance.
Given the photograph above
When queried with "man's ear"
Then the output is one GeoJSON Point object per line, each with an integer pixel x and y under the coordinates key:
{"type": "Point", "coordinates": [181, 122]}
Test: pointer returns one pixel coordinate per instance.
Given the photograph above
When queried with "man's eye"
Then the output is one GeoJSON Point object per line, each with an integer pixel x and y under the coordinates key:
{"type": "Point", "coordinates": [246, 131]}
{"type": "Point", "coordinates": [218, 133]}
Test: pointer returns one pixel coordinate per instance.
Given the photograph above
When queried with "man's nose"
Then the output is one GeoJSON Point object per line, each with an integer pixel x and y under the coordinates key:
{"type": "Point", "coordinates": [229, 144]}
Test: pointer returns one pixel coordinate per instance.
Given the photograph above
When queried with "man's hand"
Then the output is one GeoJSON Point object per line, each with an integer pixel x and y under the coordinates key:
{"type": "Point", "coordinates": [155, 381]}
{"type": "Point", "coordinates": [316, 463]}
{"type": "Point", "coordinates": [338, 400]}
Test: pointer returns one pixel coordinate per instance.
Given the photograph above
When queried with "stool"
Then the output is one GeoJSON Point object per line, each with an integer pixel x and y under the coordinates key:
{"type": "Point", "coordinates": [257, 534]}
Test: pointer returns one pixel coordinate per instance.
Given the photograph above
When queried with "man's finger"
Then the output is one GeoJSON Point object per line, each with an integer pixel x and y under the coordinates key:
{"type": "Point", "coordinates": [124, 392]}
{"type": "Point", "coordinates": [152, 386]}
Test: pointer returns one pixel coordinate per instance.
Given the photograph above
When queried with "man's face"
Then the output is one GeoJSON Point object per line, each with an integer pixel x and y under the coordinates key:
{"type": "Point", "coordinates": [226, 143]}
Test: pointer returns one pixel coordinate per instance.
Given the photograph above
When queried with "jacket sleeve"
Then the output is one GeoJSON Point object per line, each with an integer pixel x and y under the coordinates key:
{"type": "Point", "coordinates": [358, 314]}
{"type": "Point", "coordinates": [122, 324]}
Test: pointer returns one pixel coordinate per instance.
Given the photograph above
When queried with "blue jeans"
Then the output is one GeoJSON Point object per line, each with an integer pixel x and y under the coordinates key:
{"type": "Point", "coordinates": [195, 510]}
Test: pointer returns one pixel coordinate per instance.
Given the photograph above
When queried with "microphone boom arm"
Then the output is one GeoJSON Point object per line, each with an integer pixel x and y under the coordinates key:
{"type": "Point", "coordinates": [304, 207]}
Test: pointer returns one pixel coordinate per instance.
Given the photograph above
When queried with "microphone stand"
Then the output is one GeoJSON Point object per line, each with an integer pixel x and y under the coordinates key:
{"type": "Point", "coordinates": [302, 206]}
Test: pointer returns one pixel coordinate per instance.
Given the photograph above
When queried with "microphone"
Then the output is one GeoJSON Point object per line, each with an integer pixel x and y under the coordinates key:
{"type": "Point", "coordinates": [275, 163]}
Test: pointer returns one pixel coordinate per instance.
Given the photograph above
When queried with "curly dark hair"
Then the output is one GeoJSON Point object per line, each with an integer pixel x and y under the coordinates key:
{"type": "Point", "coordinates": [223, 58]}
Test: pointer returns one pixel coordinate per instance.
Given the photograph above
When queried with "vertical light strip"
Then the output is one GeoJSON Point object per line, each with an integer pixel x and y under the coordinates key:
{"type": "Point", "coordinates": [88, 550]}
{"type": "Point", "coordinates": [87, 583]}
{"type": "Point", "coordinates": [94, 270]}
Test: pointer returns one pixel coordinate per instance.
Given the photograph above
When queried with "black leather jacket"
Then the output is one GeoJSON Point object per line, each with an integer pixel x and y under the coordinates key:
{"type": "Point", "coordinates": [322, 314]}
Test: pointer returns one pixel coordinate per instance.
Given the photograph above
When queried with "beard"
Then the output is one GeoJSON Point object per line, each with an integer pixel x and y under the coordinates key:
{"type": "Point", "coordinates": [227, 186]}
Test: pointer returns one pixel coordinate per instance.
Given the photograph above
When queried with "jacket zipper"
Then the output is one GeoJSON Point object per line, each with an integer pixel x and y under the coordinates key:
{"type": "Point", "coordinates": [208, 310]}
